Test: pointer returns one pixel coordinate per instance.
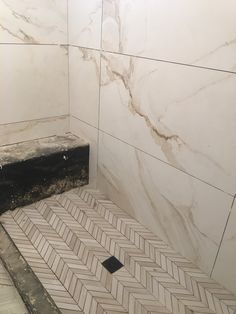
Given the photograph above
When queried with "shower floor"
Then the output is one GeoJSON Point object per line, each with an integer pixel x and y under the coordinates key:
{"type": "Point", "coordinates": [66, 238]}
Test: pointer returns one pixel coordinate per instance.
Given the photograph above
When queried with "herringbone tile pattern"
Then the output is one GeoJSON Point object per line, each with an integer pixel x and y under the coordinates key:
{"type": "Point", "coordinates": [66, 238]}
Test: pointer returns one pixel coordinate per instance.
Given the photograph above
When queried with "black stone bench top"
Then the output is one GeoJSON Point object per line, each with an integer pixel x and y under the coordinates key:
{"type": "Point", "coordinates": [37, 148]}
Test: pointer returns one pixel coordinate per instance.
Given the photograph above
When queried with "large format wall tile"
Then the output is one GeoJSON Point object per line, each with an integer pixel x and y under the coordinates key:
{"type": "Point", "coordinates": [183, 115]}
{"type": "Point", "coordinates": [33, 82]}
{"type": "Point", "coordinates": [90, 134]}
{"type": "Point", "coordinates": [29, 130]}
{"type": "Point", "coordinates": [84, 84]}
{"type": "Point", "coordinates": [200, 32]}
{"type": "Point", "coordinates": [183, 211]}
{"type": "Point", "coordinates": [224, 270]}
{"type": "Point", "coordinates": [33, 21]}
{"type": "Point", "coordinates": [85, 23]}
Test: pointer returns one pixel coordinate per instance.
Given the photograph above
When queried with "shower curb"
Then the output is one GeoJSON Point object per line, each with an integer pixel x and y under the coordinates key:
{"type": "Point", "coordinates": [35, 297]}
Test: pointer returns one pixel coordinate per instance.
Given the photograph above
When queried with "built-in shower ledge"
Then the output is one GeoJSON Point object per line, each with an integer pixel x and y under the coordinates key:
{"type": "Point", "coordinates": [33, 170]}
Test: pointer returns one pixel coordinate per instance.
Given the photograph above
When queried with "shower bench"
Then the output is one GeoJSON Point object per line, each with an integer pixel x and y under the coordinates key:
{"type": "Point", "coordinates": [36, 169]}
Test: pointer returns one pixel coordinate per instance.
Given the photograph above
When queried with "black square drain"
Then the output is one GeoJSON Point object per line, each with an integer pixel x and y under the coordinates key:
{"type": "Point", "coordinates": [112, 264]}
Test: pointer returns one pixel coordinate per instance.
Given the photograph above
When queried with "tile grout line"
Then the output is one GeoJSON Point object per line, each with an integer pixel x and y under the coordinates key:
{"type": "Point", "coordinates": [85, 122]}
{"type": "Point", "coordinates": [157, 60]}
{"type": "Point", "coordinates": [68, 65]}
{"type": "Point", "coordinates": [155, 157]}
{"type": "Point", "coordinates": [33, 44]}
{"type": "Point", "coordinates": [34, 120]}
{"type": "Point", "coordinates": [223, 234]}
{"type": "Point", "coordinates": [99, 99]}
{"type": "Point", "coordinates": [35, 139]}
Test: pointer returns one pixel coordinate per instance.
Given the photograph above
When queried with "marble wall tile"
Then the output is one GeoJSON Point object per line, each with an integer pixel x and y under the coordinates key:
{"type": "Point", "coordinates": [85, 23]}
{"type": "Point", "coordinates": [33, 82]}
{"type": "Point", "coordinates": [188, 214]}
{"type": "Point", "coordinates": [196, 32]}
{"type": "Point", "coordinates": [90, 134]}
{"type": "Point", "coordinates": [183, 115]}
{"type": "Point", "coordinates": [33, 21]}
{"type": "Point", "coordinates": [29, 130]}
{"type": "Point", "coordinates": [84, 79]}
{"type": "Point", "coordinates": [225, 267]}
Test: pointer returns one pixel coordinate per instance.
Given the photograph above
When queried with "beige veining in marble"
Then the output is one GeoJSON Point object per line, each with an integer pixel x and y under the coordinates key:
{"type": "Point", "coordinates": [195, 32]}
{"type": "Point", "coordinates": [179, 114]}
{"type": "Point", "coordinates": [34, 21]}
{"type": "Point", "coordinates": [172, 204]}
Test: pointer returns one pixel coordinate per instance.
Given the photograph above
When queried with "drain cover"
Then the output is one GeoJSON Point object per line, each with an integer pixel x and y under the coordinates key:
{"type": "Point", "coordinates": [112, 264]}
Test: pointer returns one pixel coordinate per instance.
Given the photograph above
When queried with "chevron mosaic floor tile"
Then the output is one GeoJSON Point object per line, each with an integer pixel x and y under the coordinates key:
{"type": "Point", "coordinates": [67, 238]}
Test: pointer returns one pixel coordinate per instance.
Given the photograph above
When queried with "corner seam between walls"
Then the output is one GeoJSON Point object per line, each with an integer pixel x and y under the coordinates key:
{"type": "Point", "coordinates": [68, 69]}
{"type": "Point", "coordinates": [85, 122]}
{"type": "Point", "coordinates": [100, 80]}
{"type": "Point", "coordinates": [223, 234]}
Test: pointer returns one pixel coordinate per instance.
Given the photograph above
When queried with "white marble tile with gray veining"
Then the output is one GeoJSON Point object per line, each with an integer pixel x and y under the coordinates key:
{"type": "Point", "coordinates": [33, 82]}
{"type": "Point", "coordinates": [185, 116]}
{"type": "Point", "coordinates": [29, 130]}
{"type": "Point", "coordinates": [225, 267]}
{"type": "Point", "coordinates": [34, 21]}
{"type": "Point", "coordinates": [84, 84]}
{"type": "Point", "coordinates": [85, 23]}
{"type": "Point", "coordinates": [90, 134]}
{"type": "Point", "coordinates": [195, 32]}
{"type": "Point", "coordinates": [188, 214]}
